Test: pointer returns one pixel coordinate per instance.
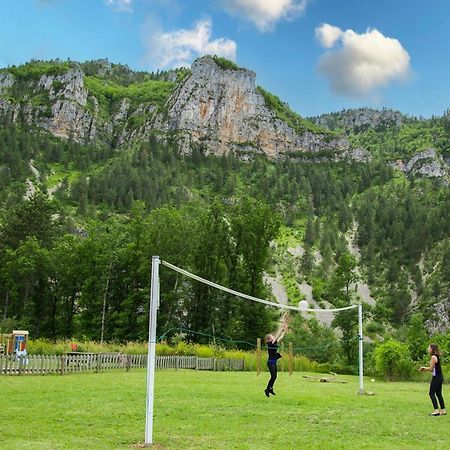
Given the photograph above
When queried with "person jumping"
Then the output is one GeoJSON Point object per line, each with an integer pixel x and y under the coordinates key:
{"type": "Point", "coordinates": [273, 355]}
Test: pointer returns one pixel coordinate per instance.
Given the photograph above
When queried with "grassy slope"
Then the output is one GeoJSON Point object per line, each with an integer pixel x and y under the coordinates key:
{"type": "Point", "coordinates": [218, 410]}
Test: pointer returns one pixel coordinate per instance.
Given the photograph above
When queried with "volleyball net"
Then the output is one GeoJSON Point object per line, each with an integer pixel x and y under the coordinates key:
{"type": "Point", "coordinates": [154, 305]}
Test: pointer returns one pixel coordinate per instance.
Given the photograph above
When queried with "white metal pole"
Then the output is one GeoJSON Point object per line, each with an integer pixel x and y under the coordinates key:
{"type": "Point", "coordinates": [360, 339]}
{"type": "Point", "coordinates": [154, 304]}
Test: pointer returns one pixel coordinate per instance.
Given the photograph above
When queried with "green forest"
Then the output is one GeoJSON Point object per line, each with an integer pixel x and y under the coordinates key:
{"type": "Point", "coordinates": [75, 254]}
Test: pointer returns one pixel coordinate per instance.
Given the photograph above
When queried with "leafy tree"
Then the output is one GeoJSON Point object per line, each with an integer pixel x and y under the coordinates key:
{"type": "Point", "coordinates": [417, 337]}
{"type": "Point", "coordinates": [33, 218]}
{"type": "Point", "coordinates": [393, 361]}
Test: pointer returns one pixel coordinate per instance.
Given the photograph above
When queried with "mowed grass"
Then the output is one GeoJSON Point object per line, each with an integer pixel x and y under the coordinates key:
{"type": "Point", "coordinates": [215, 410]}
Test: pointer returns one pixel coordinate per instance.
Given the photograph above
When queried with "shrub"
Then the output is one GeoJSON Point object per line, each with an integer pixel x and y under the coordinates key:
{"type": "Point", "coordinates": [393, 360]}
{"type": "Point", "coordinates": [204, 351]}
{"type": "Point", "coordinates": [224, 63]}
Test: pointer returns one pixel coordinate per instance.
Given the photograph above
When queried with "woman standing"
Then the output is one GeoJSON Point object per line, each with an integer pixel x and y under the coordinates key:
{"type": "Point", "coordinates": [273, 355]}
{"type": "Point", "coordinates": [436, 380]}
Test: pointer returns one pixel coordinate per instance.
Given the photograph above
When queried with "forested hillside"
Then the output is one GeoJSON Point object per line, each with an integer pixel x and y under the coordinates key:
{"type": "Point", "coordinates": [82, 214]}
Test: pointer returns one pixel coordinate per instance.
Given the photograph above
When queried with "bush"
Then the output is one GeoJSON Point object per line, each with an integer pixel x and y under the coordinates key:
{"type": "Point", "coordinates": [393, 361]}
{"type": "Point", "coordinates": [225, 64]}
{"type": "Point", "coordinates": [204, 351]}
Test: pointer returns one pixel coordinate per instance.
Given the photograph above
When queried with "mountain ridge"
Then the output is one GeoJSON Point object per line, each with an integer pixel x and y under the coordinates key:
{"type": "Point", "coordinates": [214, 107]}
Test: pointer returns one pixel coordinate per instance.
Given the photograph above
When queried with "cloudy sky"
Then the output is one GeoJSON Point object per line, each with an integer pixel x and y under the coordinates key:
{"type": "Point", "coordinates": [318, 55]}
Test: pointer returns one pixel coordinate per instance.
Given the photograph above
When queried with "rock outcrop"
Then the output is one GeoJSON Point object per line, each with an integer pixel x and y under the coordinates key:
{"type": "Point", "coordinates": [69, 115]}
{"type": "Point", "coordinates": [440, 323]}
{"type": "Point", "coordinates": [426, 164]}
{"type": "Point", "coordinates": [6, 81]}
{"type": "Point", "coordinates": [222, 110]}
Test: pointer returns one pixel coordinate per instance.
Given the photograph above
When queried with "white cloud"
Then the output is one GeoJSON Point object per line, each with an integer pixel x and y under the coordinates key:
{"type": "Point", "coordinates": [178, 48]}
{"type": "Point", "coordinates": [265, 13]}
{"type": "Point", "coordinates": [363, 62]}
{"type": "Point", "coordinates": [120, 5]}
{"type": "Point", "coordinates": [327, 35]}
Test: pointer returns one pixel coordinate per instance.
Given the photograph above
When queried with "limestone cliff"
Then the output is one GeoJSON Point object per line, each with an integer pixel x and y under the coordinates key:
{"type": "Point", "coordinates": [426, 164]}
{"type": "Point", "coordinates": [215, 108]}
{"type": "Point", "coordinates": [222, 110]}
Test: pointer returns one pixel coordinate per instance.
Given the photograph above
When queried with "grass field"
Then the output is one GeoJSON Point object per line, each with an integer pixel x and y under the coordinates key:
{"type": "Point", "coordinates": [215, 410]}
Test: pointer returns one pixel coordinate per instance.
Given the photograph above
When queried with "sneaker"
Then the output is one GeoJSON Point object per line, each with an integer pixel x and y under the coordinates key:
{"type": "Point", "coordinates": [271, 392]}
{"type": "Point", "coordinates": [435, 413]}
{"type": "Point", "coordinates": [266, 391]}
{"type": "Point", "coordinates": [443, 412]}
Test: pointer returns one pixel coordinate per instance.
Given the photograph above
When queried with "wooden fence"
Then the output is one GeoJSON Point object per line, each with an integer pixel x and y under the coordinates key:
{"type": "Point", "coordinates": [96, 362]}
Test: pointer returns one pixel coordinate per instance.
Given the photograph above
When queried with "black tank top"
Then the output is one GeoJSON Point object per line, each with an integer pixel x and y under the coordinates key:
{"type": "Point", "coordinates": [272, 350]}
{"type": "Point", "coordinates": [437, 370]}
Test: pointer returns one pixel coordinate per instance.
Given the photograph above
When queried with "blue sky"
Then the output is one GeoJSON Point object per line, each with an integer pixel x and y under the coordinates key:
{"type": "Point", "coordinates": [318, 55]}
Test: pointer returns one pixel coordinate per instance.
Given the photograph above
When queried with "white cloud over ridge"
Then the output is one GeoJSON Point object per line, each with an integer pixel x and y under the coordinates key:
{"type": "Point", "coordinates": [363, 62]}
{"type": "Point", "coordinates": [178, 48]}
{"type": "Point", "coordinates": [120, 5]}
{"type": "Point", "coordinates": [265, 13]}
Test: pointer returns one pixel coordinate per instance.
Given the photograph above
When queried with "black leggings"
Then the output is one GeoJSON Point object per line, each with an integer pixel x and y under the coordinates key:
{"type": "Point", "coordinates": [273, 374]}
{"type": "Point", "coordinates": [436, 391]}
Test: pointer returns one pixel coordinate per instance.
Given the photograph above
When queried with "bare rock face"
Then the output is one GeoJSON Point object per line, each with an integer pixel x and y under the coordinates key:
{"type": "Point", "coordinates": [6, 81]}
{"type": "Point", "coordinates": [66, 113]}
{"type": "Point", "coordinates": [441, 322]}
{"type": "Point", "coordinates": [9, 110]}
{"type": "Point", "coordinates": [221, 110]}
{"type": "Point", "coordinates": [70, 86]}
{"type": "Point", "coordinates": [69, 116]}
{"type": "Point", "coordinates": [426, 164]}
{"type": "Point", "coordinates": [70, 120]}
{"type": "Point", "coordinates": [358, 154]}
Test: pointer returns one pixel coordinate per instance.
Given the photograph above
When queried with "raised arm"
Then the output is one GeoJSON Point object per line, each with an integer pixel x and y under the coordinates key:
{"type": "Point", "coordinates": [283, 328]}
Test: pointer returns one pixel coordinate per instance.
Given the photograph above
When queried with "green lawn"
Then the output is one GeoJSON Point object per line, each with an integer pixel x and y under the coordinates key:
{"type": "Point", "coordinates": [215, 410]}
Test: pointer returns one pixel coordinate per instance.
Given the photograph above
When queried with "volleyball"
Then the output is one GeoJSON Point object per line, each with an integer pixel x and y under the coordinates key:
{"type": "Point", "coordinates": [302, 304]}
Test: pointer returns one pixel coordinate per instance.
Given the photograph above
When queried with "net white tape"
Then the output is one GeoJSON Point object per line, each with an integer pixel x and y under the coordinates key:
{"type": "Point", "coordinates": [249, 297]}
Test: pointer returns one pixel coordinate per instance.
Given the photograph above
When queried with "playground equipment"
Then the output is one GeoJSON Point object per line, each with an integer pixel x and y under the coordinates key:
{"type": "Point", "coordinates": [14, 343]}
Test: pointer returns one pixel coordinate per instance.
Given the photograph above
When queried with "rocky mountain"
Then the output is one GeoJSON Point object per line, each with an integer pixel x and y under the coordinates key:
{"type": "Point", "coordinates": [222, 109]}
{"type": "Point", "coordinates": [216, 107]}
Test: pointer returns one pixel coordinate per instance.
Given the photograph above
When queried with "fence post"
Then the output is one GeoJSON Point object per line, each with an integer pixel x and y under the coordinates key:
{"type": "Point", "coordinates": [99, 362]}
{"type": "Point", "coordinates": [258, 356]}
{"type": "Point", "coordinates": [20, 364]}
{"type": "Point", "coordinates": [63, 363]}
{"type": "Point", "coordinates": [291, 358]}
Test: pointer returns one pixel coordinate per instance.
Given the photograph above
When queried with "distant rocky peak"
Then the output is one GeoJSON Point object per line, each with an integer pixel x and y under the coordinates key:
{"type": "Point", "coordinates": [360, 118]}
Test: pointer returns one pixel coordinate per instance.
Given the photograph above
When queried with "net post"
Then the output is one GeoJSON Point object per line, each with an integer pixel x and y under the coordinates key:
{"type": "Point", "coordinates": [360, 344]}
{"type": "Point", "coordinates": [151, 356]}
{"type": "Point", "coordinates": [258, 356]}
{"type": "Point", "coordinates": [291, 358]}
